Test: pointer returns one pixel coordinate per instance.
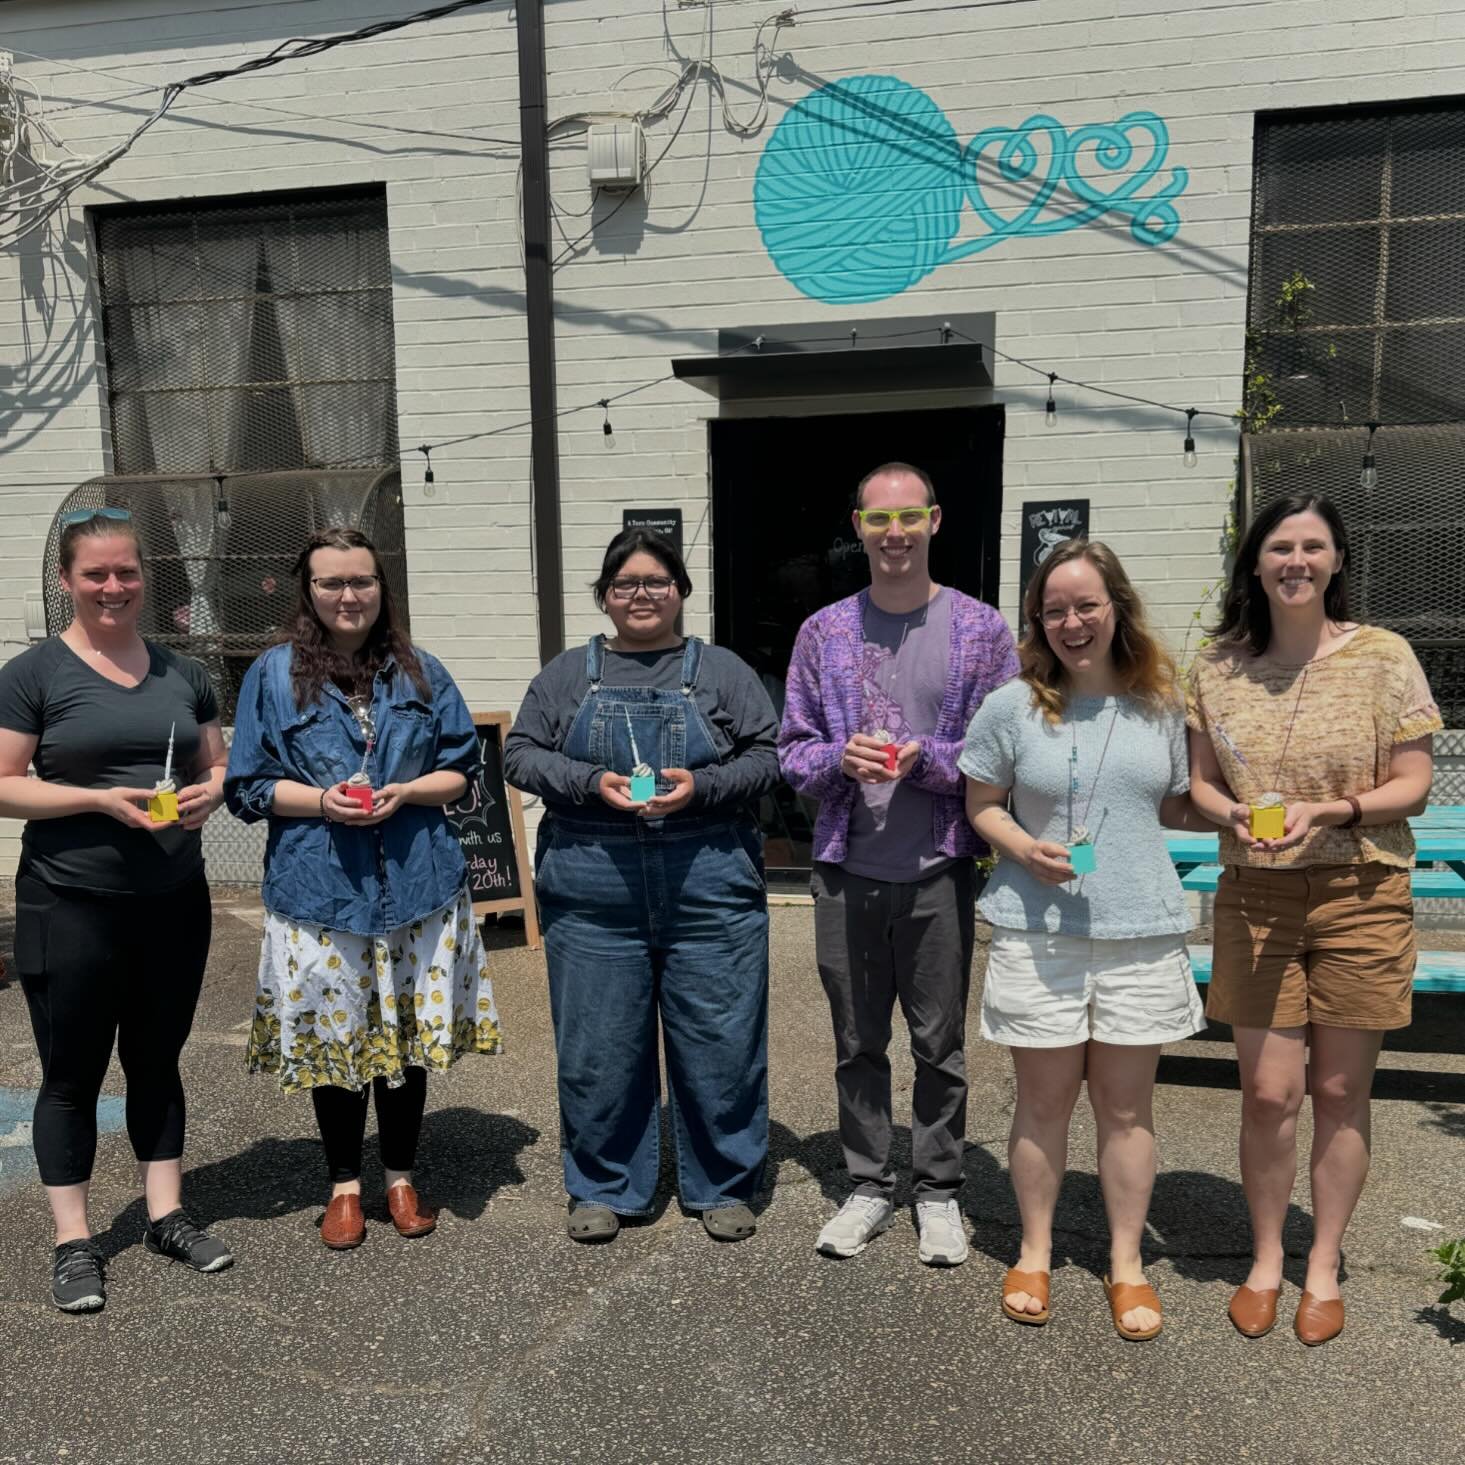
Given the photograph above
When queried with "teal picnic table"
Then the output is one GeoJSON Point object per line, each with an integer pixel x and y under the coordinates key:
{"type": "Point", "coordinates": [1439, 873]}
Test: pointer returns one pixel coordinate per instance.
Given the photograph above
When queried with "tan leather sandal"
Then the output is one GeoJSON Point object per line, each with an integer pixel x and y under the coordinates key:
{"type": "Point", "coordinates": [1035, 1284]}
{"type": "Point", "coordinates": [1125, 1297]}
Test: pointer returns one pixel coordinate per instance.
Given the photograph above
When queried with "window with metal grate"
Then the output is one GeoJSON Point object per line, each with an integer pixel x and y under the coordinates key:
{"type": "Point", "coordinates": [1356, 314]}
{"type": "Point", "coordinates": [249, 334]}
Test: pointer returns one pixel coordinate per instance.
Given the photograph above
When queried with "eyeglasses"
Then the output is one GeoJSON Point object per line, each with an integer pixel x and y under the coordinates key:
{"type": "Point", "coordinates": [657, 587]}
{"type": "Point", "coordinates": [880, 520]}
{"type": "Point", "coordinates": [83, 516]}
{"type": "Point", "coordinates": [1087, 613]}
{"type": "Point", "coordinates": [357, 584]}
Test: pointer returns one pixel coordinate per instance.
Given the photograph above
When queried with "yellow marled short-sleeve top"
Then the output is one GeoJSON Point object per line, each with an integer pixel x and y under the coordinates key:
{"type": "Point", "coordinates": [1347, 711]}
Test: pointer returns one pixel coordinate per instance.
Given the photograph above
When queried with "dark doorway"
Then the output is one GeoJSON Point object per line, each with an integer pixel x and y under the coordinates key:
{"type": "Point", "coordinates": [783, 545]}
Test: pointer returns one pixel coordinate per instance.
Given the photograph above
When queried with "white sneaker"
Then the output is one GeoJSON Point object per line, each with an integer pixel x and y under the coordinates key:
{"type": "Point", "coordinates": [943, 1242]}
{"type": "Point", "coordinates": [859, 1220]}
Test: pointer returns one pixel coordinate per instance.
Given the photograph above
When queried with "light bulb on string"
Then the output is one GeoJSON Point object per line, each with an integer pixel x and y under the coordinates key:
{"type": "Point", "coordinates": [606, 428]}
{"type": "Point", "coordinates": [428, 480]}
{"type": "Point", "coordinates": [1369, 477]}
{"type": "Point", "coordinates": [1190, 459]}
{"type": "Point", "coordinates": [1050, 407]}
{"type": "Point", "coordinates": [222, 517]}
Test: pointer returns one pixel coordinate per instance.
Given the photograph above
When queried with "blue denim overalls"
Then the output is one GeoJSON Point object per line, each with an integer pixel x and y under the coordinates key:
{"type": "Point", "coordinates": [646, 916]}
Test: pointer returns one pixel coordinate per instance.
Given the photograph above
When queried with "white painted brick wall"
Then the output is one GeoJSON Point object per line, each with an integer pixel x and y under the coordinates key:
{"type": "Point", "coordinates": [660, 278]}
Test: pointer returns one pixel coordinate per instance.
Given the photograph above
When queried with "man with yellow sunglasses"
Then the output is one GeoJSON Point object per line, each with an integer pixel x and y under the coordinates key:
{"type": "Point", "coordinates": [880, 691]}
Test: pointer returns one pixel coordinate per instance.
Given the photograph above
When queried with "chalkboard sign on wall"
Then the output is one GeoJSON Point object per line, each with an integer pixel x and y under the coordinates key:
{"type": "Point", "coordinates": [489, 823]}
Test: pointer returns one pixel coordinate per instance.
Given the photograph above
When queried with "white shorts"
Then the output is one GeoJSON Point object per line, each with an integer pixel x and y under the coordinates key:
{"type": "Point", "coordinates": [1049, 991]}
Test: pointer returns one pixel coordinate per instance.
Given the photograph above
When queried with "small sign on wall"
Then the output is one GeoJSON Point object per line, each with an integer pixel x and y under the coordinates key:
{"type": "Point", "coordinates": [1044, 527]}
{"type": "Point", "coordinates": [660, 521]}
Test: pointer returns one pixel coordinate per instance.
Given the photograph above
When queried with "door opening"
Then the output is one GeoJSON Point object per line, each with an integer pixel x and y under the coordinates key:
{"type": "Point", "coordinates": [783, 545]}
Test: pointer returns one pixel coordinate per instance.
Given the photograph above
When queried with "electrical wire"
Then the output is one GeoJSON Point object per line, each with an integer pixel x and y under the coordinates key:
{"type": "Point", "coordinates": [27, 206]}
{"type": "Point", "coordinates": [662, 107]}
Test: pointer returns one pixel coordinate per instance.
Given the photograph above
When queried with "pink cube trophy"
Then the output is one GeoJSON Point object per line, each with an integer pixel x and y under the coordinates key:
{"type": "Point", "coordinates": [357, 788]}
{"type": "Point", "coordinates": [163, 801]}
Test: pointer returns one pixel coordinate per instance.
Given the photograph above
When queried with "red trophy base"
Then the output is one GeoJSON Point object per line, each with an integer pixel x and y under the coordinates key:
{"type": "Point", "coordinates": [358, 793]}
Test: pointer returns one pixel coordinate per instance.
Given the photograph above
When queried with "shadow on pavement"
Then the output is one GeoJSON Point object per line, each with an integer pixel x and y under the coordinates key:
{"type": "Point", "coordinates": [1449, 1327]}
{"type": "Point", "coordinates": [464, 1158]}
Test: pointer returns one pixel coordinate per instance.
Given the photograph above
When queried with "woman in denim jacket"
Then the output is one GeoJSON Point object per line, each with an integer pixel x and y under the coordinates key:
{"type": "Point", "coordinates": [371, 969]}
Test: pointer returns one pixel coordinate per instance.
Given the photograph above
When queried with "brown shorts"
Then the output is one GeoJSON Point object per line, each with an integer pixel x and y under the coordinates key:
{"type": "Point", "coordinates": [1330, 944]}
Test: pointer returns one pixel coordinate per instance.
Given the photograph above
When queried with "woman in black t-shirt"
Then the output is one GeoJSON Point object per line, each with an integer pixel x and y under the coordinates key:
{"type": "Point", "coordinates": [112, 916]}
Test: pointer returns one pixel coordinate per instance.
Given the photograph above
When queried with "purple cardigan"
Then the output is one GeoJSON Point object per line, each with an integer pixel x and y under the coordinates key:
{"type": "Point", "coordinates": [824, 707]}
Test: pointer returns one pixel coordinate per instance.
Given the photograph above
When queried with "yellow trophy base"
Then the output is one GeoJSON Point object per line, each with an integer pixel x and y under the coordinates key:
{"type": "Point", "coordinates": [1268, 823]}
{"type": "Point", "coordinates": [163, 808]}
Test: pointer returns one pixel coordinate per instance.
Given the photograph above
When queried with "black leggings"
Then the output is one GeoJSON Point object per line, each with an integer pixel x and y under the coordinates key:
{"type": "Point", "coordinates": [98, 969]}
{"type": "Point", "coordinates": [341, 1115]}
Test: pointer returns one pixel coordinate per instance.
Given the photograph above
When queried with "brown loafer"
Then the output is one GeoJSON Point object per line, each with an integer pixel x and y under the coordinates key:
{"type": "Point", "coordinates": [409, 1215]}
{"type": "Point", "coordinates": [344, 1226]}
{"type": "Point", "coordinates": [1318, 1322]}
{"type": "Point", "coordinates": [1125, 1297]}
{"type": "Point", "coordinates": [1253, 1313]}
{"type": "Point", "coordinates": [1035, 1284]}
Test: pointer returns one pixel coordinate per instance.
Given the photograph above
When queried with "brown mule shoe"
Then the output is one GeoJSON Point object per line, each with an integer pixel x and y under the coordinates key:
{"type": "Point", "coordinates": [1318, 1322]}
{"type": "Point", "coordinates": [409, 1215]}
{"type": "Point", "coordinates": [1254, 1314]}
{"type": "Point", "coordinates": [344, 1226]}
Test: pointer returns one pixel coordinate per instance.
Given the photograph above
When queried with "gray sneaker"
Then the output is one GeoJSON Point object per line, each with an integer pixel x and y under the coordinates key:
{"type": "Point", "coordinates": [858, 1221]}
{"type": "Point", "coordinates": [943, 1242]}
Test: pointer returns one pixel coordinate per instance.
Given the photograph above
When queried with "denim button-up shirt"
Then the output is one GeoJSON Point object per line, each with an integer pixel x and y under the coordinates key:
{"type": "Point", "coordinates": [366, 881]}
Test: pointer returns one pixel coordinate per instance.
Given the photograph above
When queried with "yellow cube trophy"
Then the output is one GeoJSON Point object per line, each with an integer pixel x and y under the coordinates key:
{"type": "Point", "coordinates": [1268, 817]}
{"type": "Point", "coordinates": [163, 801]}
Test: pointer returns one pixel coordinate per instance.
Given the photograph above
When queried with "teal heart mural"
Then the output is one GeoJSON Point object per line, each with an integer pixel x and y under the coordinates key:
{"type": "Point", "coordinates": [861, 188]}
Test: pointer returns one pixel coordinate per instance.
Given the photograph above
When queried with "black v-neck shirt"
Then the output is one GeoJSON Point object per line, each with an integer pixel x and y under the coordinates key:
{"type": "Point", "coordinates": [93, 733]}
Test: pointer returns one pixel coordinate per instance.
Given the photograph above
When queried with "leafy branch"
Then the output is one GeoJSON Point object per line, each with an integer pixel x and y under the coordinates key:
{"type": "Point", "coordinates": [1451, 1257]}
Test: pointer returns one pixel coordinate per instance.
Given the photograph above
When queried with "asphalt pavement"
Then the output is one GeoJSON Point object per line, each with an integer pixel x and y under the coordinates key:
{"type": "Point", "coordinates": [497, 1339]}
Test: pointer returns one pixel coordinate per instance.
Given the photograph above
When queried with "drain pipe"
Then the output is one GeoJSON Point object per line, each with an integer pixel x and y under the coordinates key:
{"type": "Point", "coordinates": [539, 317]}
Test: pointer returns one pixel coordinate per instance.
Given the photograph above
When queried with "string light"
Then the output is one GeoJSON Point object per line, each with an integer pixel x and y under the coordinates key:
{"type": "Point", "coordinates": [1050, 408]}
{"type": "Point", "coordinates": [606, 428]}
{"type": "Point", "coordinates": [1369, 478]}
{"type": "Point", "coordinates": [1190, 458]}
{"type": "Point", "coordinates": [221, 503]}
{"type": "Point", "coordinates": [428, 480]}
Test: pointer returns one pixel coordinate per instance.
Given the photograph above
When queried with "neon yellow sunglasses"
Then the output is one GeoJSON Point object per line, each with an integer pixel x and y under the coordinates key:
{"type": "Point", "coordinates": [879, 520]}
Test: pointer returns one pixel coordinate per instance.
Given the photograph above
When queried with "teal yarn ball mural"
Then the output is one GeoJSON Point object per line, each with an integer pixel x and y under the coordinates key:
{"type": "Point", "coordinates": [860, 190]}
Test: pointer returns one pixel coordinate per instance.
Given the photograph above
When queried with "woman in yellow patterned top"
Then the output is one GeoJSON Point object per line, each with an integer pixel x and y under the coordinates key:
{"type": "Point", "coordinates": [1299, 709]}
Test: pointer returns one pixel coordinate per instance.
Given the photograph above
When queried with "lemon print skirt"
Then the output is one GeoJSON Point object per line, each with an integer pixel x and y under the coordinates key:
{"type": "Point", "coordinates": [333, 1008]}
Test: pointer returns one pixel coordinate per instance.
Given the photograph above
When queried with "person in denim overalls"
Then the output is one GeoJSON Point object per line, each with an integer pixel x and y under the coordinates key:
{"type": "Point", "coordinates": [653, 907]}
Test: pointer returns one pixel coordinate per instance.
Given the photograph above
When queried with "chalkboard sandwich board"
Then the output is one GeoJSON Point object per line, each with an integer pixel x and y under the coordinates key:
{"type": "Point", "coordinates": [489, 823]}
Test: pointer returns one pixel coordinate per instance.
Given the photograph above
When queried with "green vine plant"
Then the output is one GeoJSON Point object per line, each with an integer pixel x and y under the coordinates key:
{"type": "Point", "coordinates": [1260, 408]}
{"type": "Point", "coordinates": [1451, 1257]}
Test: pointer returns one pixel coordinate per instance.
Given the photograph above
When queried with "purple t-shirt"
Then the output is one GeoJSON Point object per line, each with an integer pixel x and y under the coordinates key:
{"type": "Point", "coordinates": [904, 679]}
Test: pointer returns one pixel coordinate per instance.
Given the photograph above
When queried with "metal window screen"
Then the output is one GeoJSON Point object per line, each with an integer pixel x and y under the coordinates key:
{"type": "Point", "coordinates": [1367, 205]}
{"type": "Point", "coordinates": [1407, 536]}
{"type": "Point", "coordinates": [218, 554]}
{"type": "Point", "coordinates": [249, 335]}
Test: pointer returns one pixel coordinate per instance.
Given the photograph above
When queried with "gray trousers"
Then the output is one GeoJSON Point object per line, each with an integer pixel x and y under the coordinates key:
{"type": "Point", "coordinates": [878, 942]}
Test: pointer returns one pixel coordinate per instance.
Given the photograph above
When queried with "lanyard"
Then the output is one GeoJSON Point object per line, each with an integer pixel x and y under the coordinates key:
{"type": "Point", "coordinates": [1079, 833]}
